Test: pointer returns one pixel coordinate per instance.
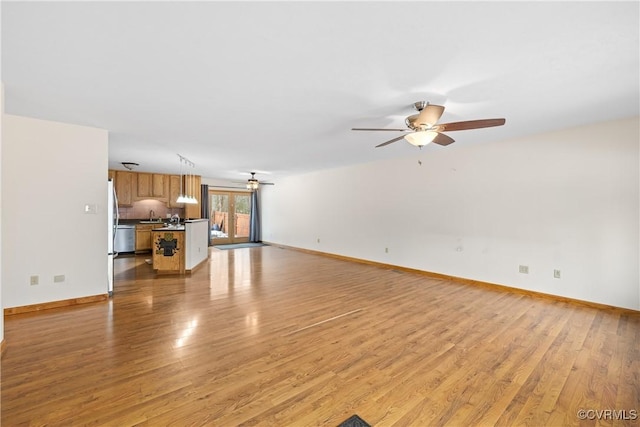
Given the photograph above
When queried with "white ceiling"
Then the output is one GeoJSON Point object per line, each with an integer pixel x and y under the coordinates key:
{"type": "Point", "coordinates": [277, 86]}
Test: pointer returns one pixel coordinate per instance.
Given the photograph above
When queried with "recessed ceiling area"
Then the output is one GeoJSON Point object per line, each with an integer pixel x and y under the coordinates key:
{"type": "Point", "coordinates": [277, 86]}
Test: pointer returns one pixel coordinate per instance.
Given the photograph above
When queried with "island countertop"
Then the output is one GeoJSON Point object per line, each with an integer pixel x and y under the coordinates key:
{"type": "Point", "coordinates": [170, 228]}
{"type": "Point", "coordinates": [181, 226]}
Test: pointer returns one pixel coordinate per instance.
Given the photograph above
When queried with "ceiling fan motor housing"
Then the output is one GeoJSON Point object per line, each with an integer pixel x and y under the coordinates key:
{"type": "Point", "coordinates": [419, 105]}
{"type": "Point", "coordinates": [411, 123]}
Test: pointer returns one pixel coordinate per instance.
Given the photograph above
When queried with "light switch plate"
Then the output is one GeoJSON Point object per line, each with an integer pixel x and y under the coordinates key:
{"type": "Point", "coordinates": [91, 208]}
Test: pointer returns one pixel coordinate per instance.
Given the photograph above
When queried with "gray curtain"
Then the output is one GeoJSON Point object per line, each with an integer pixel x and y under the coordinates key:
{"type": "Point", "coordinates": [255, 232]}
{"type": "Point", "coordinates": [204, 208]}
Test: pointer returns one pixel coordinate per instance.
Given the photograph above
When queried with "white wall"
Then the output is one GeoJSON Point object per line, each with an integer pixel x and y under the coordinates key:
{"type": "Point", "coordinates": [50, 171]}
{"type": "Point", "coordinates": [1, 127]}
{"type": "Point", "coordinates": [196, 234]}
{"type": "Point", "coordinates": [567, 200]}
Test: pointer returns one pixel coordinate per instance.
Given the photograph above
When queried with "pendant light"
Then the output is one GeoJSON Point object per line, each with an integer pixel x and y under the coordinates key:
{"type": "Point", "coordinates": [186, 182]}
{"type": "Point", "coordinates": [181, 198]}
{"type": "Point", "coordinates": [192, 199]}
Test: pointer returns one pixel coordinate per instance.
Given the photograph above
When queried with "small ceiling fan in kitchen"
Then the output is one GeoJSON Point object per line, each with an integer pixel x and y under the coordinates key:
{"type": "Point", "coordinates": [423, 128]}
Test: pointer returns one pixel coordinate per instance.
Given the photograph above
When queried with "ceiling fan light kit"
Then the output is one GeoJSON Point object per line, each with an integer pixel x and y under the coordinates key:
{"type": "Point", "coordinates": [420, 139]}
{"type": "Point", "coordinates": [253, 184]}
{"type": "Point", "coordinates": [425, 129]}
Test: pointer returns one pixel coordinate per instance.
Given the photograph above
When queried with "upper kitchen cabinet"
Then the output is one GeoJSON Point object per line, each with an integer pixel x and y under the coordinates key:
{"type": "Point", "coordinates": [157, 186]}
{"type": "Point", "coordinates": [150, 186]}
{"type": "Point", "coordinates": [136, 186]}
{"type": "Point", "coordinates": [124, 187]}
{"type": "Point", "coordinates": [192, 187]}
{"type": "Point", "coordinates": [174, 191]}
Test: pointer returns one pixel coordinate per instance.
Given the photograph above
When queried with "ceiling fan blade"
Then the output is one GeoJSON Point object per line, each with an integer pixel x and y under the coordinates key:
{"type": "Point", "coordinates": [429, 115]}
{"type": "Point", "coordinates": [394, 130]}
{"type": "Point", "coordinates": [442, 139]}
{"type": "Point", "coordinates": [469, 124]}
{"type": "Point", "coordinates": [390, 141]}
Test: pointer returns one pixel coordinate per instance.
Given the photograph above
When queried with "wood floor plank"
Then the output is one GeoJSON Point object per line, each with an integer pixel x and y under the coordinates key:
{"type": "Point", "coordinates": [277, 337]}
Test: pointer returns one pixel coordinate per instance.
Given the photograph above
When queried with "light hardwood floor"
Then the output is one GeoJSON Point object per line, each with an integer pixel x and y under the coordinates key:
{"type": "Point", "coordinates": [277, 337]}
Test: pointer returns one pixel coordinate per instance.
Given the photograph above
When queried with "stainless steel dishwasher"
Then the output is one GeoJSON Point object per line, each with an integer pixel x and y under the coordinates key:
{"type": "Point", "coordinates": [125, 238]}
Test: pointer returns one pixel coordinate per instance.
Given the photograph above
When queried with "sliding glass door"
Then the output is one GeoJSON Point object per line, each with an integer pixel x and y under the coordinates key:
{"type": "Point", "coordinates": [230, 214]}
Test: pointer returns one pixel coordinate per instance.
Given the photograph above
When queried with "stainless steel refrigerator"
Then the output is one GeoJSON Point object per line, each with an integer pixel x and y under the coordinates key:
{"type": "Point", "coordinates": [112, 219]}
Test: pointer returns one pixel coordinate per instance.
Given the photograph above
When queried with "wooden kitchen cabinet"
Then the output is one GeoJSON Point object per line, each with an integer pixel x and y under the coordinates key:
{"type": "Point", "coordinates": [157, 185]}
{"type": "Point", "coordinates": [150, 186]}
{"type": "Point", "coordinates": [192, 183]}
{"type": "Point", "coordinates": [168, 254]}
{"type": "Point", "coordinates": [124, 187]}
{"type": "Point", "coordinates": [143, 236]}
{"type": "Point", "coordinates": [174, 192]}
{"type": "Point", "coordinates": [143, 185]}
{"type": "Point", "coordinates": [135, 186]}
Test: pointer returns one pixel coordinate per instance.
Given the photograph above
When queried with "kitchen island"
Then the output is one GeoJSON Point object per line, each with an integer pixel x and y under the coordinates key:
{"type": "Point", "coordinates": [180, 248]}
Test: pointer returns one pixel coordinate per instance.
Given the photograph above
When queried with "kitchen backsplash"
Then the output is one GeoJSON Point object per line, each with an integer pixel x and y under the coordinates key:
{"type": "Point", "coordinates": [142, 210]}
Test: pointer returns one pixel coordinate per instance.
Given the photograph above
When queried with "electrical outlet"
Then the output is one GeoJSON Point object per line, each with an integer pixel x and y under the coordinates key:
{"type": "Point", "coordinates": [386, 250]}
{"type": "Point", "coordinates": [524, 269]}
{"type": "Point", "coordinates": [556, 274]}
{"type": "Point", "coordinates": [58, 279]}
{"type": "Point", "coordinates": [34, 280]}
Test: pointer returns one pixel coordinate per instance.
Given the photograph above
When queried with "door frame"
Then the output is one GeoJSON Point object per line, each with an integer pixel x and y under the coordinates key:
{"type": "Point", "coordinates": [230, 225]}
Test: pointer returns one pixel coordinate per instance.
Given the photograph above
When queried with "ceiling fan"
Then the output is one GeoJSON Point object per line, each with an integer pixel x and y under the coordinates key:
{"type": "Point", "coordinates": [253, 183]}
{"type": "Point", "coordinates": [423, 127]}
